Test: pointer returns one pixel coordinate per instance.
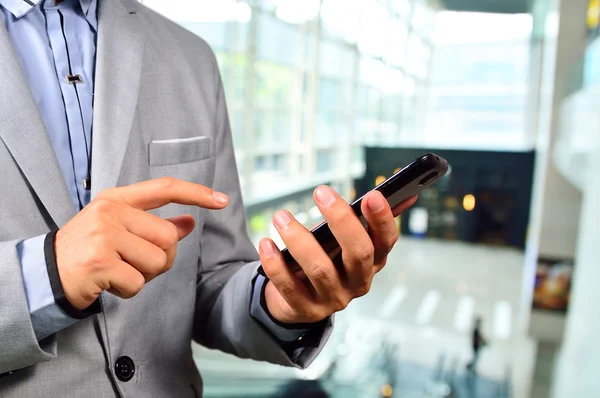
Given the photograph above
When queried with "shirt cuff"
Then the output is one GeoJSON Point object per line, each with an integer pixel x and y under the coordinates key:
{"type": "Point", "coordinates": [283, 334]}
{"type": "Point", "coordinates": [47, 317]}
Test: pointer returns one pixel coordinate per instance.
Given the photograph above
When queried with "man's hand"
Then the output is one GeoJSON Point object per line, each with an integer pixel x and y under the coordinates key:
{"type": "Point", "coordinates": [114, 244]}
{"type": "Point", "coordinates": [325, 290]}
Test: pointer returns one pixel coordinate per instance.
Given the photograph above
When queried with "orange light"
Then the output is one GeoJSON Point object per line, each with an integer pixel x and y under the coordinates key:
{"type": "Point", "coordinates": [397, 170]}
{"type": "Point", "coordinates": [386, 391]}
{"type": "Point", "coordinates": [352, 194]}
{"type": "Point", "coordinates": [469, 202]}
{"type": "Point", "coordinates": [380, 180]}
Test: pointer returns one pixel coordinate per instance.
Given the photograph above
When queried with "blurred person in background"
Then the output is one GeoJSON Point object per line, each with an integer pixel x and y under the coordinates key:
{"type": "Point", "coordinates": [477, 343]}
{"type": "Point", "coordinates": [123, 235]}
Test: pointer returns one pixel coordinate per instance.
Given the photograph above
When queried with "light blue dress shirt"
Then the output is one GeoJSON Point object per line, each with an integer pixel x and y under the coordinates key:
{"type": "Point", "coordinates": [55, 41]}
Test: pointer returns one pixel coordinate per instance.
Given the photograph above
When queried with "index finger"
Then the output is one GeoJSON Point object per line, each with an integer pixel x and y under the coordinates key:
{"type": "Point", "coordinates": [152, 194]}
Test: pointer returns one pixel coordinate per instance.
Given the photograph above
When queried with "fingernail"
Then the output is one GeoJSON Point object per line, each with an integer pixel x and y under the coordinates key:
{"type": "Point", "coordinates": [376, 203]}
{"type": "Point", "coordinates": [267, 248]}
{"type": "Point", "coordinates": [221, 198]}
{"type": "Point", "coordinates": [282, 218]}
{"type": "Point", "coordinates": [325, 196]}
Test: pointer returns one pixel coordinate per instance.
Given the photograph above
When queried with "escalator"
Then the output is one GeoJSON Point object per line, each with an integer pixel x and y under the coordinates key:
{"type": "Point", "coordinates": [363, 366]}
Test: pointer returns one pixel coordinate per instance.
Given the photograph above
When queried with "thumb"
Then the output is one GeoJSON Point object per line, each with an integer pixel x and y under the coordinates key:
{"type": "Point", "coordinates": [185, 224]}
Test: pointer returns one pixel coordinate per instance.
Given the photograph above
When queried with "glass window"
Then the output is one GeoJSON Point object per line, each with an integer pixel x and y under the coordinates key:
{"type": "Point", "coordinates": [402, 7]}
{"type": "Point", "coordinates": [261, 163]}
{"type": "Point", "coordinates": [359, 79]}
{"type": "Point", "coordinates": [276, 85]}
{"type": "Point", "coordinates": [297, 12]}
{"type": "Point", "coordinates": [420, 17]}
{"type": "Point", "coordinates": [234, 72]}
{"type": "Point", "coordinates": [395, 52]}
{"type": "Point", "coordinates": [274, 162]}
{"type": "Point", "coordinates": [371, 72]}
{"type": "Point", "coordinates": [336, 60]}
{"type": "Point", "coordinates": [273, 130]}
{"type": "Point", "coordinates": [212, 32]}
{"type": "Point", "coordinates": [418, 55]}
{"type": "Point", "coordinates": [324, 160]}
{"type": "Point", "coordinates": [218, 11]}
{"type": "Point", "coordinates": [374, 22]}
{"type": "Point", "coordinates": [479, 82]}
{"type": "Point", "coordinates": [341, 19]}
{"type": "Point", "coordinates": [278, 41]}
{"type": "Point", "coordinates": [327, 129]}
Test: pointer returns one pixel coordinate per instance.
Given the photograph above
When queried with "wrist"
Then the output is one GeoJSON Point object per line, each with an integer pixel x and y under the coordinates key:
{"type": "Point", "coordinates": [78, 309]}
{"type": "Point", "coordinates": [270, 301]}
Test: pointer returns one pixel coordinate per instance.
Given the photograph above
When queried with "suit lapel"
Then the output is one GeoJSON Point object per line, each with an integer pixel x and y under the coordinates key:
{"type": "Point", "coordinates": [23, 132]}
{"type": "Point", "coordinates": [119, 58]}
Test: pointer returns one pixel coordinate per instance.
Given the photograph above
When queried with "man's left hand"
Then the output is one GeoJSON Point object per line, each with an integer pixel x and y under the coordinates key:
{"type": "Point", "coordinates": [324, 289]}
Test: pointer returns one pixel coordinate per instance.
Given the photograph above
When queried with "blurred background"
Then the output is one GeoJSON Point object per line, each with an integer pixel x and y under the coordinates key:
{"type": "Point", "coordinates": [345, 92]}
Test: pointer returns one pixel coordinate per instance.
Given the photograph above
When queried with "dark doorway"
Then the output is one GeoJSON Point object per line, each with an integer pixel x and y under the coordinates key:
{"type": "Point", "coordinates": [494, 211]}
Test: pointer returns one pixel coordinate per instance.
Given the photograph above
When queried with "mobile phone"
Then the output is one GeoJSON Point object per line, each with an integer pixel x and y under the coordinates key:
{"type": "Point", "coordinates": [411, 180]}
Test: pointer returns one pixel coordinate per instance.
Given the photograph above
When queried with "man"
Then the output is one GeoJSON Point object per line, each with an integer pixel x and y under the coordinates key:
{"type": "Point", "coordinates": [122, 234]}
{"type": "Point", "coordinates": [477, 343]}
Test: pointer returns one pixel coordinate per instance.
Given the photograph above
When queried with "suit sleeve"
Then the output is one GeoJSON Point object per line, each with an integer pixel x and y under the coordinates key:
{"type": "Point", "coordinates": [19, 346]}
{"type": "Point", "coordinates": [228, 266]}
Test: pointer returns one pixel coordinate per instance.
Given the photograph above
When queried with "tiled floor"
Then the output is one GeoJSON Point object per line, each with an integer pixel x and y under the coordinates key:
{"type": "Point", "coordinates": [425, 301]}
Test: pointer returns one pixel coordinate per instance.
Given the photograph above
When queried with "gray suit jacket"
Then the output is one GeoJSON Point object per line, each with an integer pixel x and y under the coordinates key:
{"type": "Point", "coordinates": [154, 82]}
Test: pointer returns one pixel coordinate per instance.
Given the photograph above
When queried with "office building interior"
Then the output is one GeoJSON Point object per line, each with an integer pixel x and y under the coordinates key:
{"type": "Point", "coordinates": [346, 92]}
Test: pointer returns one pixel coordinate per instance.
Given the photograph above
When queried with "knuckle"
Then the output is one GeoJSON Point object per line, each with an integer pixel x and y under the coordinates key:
{"type": "Point", "coordinates": [105, 194]}
{"type": "Point", "coordinates": [172, 235]}
{"type": "Point", "coordinates": [95, 259]}
{"type": "Point", "coordinates": [364, 254]}
{"type": "Point", "coordinates": [138, 284]}
{"type": "Point", "coordinates": [168, 266]}
{"type": "Point", "coordinates": [162, 260]}
{"type": "Point", "coordinates": [167, 235]}
{"type": "Point", "coordinates": [381, 261]}
{"type": "Point", "coordinates": [286, 290]}
{"type": "Point", "coordinates": [87, 296]}
{"type": "Point", "coordinates": [273, 272]}
{"type": "Point", "coordinates": [320, 271]}
{"type": "Point", "coordinates": [340, 303]}
{"type": "Point", "coordinates": [362, 290]}
{"type": "Point", "coordinates": [101, 241]}
{"type": "Point", "coordinates": [159, 263]}
{"type": "Point", "coordinates": [393, 239]}
{"type": "Point", "coordinates": [98, 231]}
{"type": "Point", "coordinates": [134, 286]}
{"type": "Point", "coordinates": [314, 313]}
{"type": "Point", "coordinates": [165, 182]}
{"type": "Point", "coordinates": [101, 207]}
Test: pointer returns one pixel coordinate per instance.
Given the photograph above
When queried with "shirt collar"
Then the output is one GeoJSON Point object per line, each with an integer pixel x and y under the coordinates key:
{"type": "Point", "coordinates": [21, 7]}
{"type": "Point", "coordinates": [85, 5]}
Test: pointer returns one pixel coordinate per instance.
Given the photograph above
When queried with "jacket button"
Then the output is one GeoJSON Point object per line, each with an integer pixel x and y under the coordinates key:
{"type": "Point", "coordinates": [124, 369]}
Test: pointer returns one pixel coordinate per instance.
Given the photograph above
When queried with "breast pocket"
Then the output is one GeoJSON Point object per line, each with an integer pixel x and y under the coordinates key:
{"type": "Point", "coordinates": [189, 159]}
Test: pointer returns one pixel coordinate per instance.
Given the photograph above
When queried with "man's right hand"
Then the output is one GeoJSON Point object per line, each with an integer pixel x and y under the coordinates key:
{"type": "Point", "coordinates": [114, 244]}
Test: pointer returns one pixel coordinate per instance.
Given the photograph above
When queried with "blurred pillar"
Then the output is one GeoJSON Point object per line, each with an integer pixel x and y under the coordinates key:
{"type": "Point", "coordinates": [576, 371]}
{"type": "Point", "coordinates": [565, 220]}
{"type": "Point", "coordinates": [558, 43]}
{"type": "Point", "coordinates": [561, 203]}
